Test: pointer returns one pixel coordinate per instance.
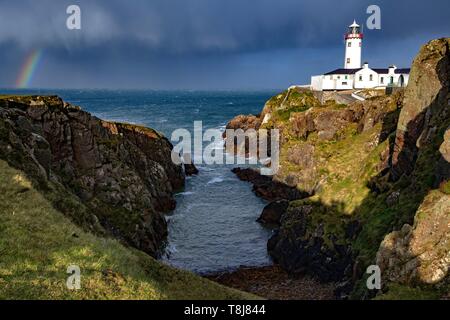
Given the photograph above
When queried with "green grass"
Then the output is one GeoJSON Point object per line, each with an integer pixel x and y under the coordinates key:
{"type": "Point", "coordinates": [401, 292]}
{"type": "Point", "coordinates": [284, 115]}
{"type": "Point", "coordinates": [38, 243]}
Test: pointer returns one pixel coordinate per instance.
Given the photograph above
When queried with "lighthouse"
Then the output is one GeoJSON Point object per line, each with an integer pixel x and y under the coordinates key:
{"type": "Point", "coordinates": [353, 46]}
{"type": "Point", "coordinates": [355, 75]}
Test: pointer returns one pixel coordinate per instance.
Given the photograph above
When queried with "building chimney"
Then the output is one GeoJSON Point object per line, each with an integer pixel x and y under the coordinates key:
{"type": "Point", "coordinates": [392, 68]}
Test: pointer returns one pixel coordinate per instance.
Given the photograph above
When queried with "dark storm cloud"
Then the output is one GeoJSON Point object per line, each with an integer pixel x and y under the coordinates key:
{"type": "Point", "coordinates": [204, 43]}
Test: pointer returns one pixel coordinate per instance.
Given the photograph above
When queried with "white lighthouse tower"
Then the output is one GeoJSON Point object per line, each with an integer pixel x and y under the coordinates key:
{"type": "Point", "coordinates": [353, 46]}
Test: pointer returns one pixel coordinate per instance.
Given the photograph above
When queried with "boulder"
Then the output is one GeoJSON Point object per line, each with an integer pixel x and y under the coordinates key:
{"type": "Point", "coordinates": [419, 254]}
{"type": "Point", "coordinates": [272, 213]}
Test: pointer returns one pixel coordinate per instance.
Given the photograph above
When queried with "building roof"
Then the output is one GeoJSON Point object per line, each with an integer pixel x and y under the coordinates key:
{"type": "Point", "coordinates": [397, 71]}
{"type": "Point", "coordinates": [343, 71]}
{"type": "Point", "coordinates": [379, 71]}
{"type": "Point", "coordinates": [403, 71]}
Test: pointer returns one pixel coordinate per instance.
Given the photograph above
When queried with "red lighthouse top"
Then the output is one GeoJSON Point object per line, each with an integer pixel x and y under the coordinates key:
{"type": "Point", "coordinates": [354, 31]}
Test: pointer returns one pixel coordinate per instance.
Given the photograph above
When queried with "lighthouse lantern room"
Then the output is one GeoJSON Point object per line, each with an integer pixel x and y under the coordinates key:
{"type": "Point", "coordinates": [353, 46]}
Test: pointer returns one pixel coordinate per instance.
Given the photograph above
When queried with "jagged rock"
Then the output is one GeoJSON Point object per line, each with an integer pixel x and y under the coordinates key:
{"type": "Point", "coordinates": [244, 122]}
{"type": "Point", "coordinates": [298, 249]}
{"type": "Point", "coordinates": [426, 101]}
{"type": "Point", "coordinates": [190, 169]}
{"type": "Point", "coordinates": [302, 155]}
{"type": "Point", "coordinates": [122, 173]}
{"type": "Point", "coordinates": [393, 199]}
{"type": "Point", "coordinates": [268, 188]}
{"type": "Point", "coordinates": [273, 212]}
{"type": "Point", "coordinates": [328, 123]}
{"type": "Point", "coordinates": [443, 167]}
{"type": "Point", "coordinates": [421, 253]}
{"type": "Point", "coordinates": [302, 124]}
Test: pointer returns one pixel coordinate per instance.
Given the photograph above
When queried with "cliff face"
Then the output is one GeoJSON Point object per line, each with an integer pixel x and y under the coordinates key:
{"type": "Point", "coordinates": [425, 107]}
{"type": "Point", "coordinates": [419, 253]}
{"type": "Point", "coordinates": [370, 168]}
{"type": "Point", "coordinates": [108, 177]}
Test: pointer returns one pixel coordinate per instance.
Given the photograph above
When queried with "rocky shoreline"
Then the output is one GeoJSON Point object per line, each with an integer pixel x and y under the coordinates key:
{"type": "Point", "coordinates": [273, 283]}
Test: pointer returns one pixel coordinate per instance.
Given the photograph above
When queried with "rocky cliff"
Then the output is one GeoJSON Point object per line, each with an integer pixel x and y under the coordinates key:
{"type": "Point", "coordinates": [110, 178]}
{"type": "Point", "coordinates": [369, 168]}
{"type": "Point", "coordinates": [419, 252]}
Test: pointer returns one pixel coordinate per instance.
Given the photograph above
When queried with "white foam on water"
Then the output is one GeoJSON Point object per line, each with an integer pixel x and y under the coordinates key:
{"type": "Point", "coordinates": [215, 180]}
{"type": "Point", "coordinates": [186, 193]}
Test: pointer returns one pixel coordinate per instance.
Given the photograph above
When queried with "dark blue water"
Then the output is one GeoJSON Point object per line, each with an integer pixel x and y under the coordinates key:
{"type": "Point", "coordinates": [213, 227]}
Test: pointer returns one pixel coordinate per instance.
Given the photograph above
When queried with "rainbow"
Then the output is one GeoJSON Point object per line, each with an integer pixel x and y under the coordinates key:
{"type": "Point", "coordinates": [28, 69]}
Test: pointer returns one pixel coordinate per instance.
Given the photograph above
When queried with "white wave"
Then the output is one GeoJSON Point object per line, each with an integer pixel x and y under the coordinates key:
{"type": "Point", "coordinates": [186, 193]}
{"type": "Point", "coordinates": [206, 169]}
{"type": "Point", "coordinates": [171, 248]}
{"type": "Point", "coordinates": [215, 180]}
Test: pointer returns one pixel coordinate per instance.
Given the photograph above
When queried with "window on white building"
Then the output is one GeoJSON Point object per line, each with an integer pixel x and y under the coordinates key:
{"type": "Point", "coordinates": [382, 80]}
{"type": "Point", "coordinates": [349, 44]}
{"type": "Point", "coordinates": [360, 78]}
{"type": "Point", "coordinates": [348, 60]}
{"type": "Point", "coordinates": [371, 77]}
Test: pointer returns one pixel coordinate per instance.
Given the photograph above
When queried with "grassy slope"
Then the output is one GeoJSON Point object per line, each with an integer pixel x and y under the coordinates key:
{"type": "Point", "coordinates": [38, 243]}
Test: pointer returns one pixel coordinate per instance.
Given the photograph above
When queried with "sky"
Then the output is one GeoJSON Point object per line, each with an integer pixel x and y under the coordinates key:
{"type": "Point", "coordinates": [202, 44]}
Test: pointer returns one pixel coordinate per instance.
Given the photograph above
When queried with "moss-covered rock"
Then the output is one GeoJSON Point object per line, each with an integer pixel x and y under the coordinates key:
{"type": "Point", "coordinates": [121, 173]}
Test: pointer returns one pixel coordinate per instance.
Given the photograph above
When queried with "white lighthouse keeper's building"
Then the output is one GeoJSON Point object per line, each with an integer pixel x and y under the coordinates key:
{"type": "Point", "coordinates": [355, 76]}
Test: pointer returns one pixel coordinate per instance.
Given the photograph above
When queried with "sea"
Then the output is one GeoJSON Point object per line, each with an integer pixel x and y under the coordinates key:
{"type": "Point", "coordinates": [213, 228]}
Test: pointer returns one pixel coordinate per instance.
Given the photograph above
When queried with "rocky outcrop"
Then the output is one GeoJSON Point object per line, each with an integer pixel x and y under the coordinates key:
{"type": "Point", "coordinates": [122, 174]}
{"type": "Point", "coordinates": [245, 127]}
{"type": "Point", "coordinates": [272, 213]}
{"type": "Point", "coordinates": [426, 104]}
{"type": "Point", "coordinates": [419, 254]}
{"type": "Point", "coordinates": [443, 167]}
{"type": "Point", "coordinates": [244, 122]}
{"type": "Point", "coordinates": [298, 248]}
{"type": "Point", "coordinates": [268, 188]}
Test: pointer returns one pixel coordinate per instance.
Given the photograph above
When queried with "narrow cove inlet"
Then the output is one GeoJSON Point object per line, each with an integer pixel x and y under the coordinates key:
{"type": "Point", "coordinates": [213, 228]}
